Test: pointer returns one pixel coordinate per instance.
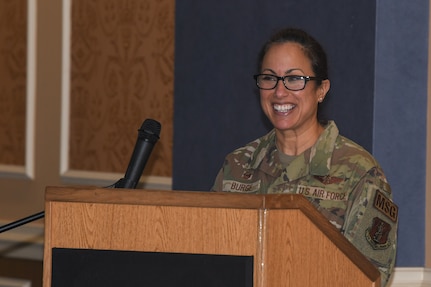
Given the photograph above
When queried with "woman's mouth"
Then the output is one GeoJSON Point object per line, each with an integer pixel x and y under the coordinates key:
{"type": "Point", "coordinates": [283, 108]}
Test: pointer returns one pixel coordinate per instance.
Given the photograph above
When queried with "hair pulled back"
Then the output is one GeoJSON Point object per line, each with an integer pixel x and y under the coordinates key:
{"type": "Point", "coordinates": [312, 49]}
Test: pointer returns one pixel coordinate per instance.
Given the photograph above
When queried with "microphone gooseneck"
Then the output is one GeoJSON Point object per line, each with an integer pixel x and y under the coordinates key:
{"type": "Point", "coordinates": [148, 135]}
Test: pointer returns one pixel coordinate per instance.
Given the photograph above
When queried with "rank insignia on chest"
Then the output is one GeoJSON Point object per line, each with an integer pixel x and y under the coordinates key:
{"type": "Point", "coordinates": [247, 175]}
{"type": "Point", "coordinates": [378, 234]}
{"type": "Point", "coordinates": [327, 179]}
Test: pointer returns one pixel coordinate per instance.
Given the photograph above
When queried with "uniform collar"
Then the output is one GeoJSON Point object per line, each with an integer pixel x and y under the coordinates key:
{"type": "Point", "coordinates": [314, 161]}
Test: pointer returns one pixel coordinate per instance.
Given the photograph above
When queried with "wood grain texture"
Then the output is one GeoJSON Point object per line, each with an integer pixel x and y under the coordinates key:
{"type": "Point", "coordinates": [291, 243]}
{"type": "Point", "coordinates": [299, 251]}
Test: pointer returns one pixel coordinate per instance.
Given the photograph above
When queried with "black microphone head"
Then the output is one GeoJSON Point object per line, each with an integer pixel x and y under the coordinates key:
{"type": "Point", "coordinates": [148, 135]}
{"type": "Point", "coordinates": [150, 130]}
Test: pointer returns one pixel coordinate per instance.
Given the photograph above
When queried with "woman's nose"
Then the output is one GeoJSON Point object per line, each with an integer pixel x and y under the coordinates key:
{"type": "Point", "coordinates": [280, 89]}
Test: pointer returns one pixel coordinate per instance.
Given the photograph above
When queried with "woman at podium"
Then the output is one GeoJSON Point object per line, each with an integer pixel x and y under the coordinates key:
{"type": "Point", "coordinates": [308, 156]}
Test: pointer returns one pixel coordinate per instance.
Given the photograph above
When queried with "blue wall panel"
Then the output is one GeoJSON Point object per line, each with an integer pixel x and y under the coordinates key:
{"type": "Point", "coordinates": [400, 116]}
{"type": "Point", "coordinates": [216, 101]}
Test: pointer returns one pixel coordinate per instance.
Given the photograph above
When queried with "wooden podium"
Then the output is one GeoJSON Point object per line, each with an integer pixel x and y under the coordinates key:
{"type": "Point", "coordinates": [289, 241]}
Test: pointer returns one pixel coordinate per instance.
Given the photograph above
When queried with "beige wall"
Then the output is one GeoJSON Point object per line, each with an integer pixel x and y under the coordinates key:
{"type": "Point", "coordinates": [22, 184]}
{"type": "Point", "coordinates": [84, 97]}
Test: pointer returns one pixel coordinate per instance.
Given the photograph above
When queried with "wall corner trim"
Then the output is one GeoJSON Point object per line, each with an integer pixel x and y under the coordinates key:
{"type": "Point", "coordinates": [411, 277]}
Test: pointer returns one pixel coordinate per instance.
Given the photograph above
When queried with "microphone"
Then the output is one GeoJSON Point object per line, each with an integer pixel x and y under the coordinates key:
{"type": "Point", "coordinates": [148, 135]}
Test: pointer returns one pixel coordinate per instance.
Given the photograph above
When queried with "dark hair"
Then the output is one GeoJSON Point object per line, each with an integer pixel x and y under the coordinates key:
{"type": "Point", "coordinates": [312, 49]}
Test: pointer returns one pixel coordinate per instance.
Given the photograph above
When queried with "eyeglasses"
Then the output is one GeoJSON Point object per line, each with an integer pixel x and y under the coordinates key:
{"type": "Point", "coordinates": [291, 82]}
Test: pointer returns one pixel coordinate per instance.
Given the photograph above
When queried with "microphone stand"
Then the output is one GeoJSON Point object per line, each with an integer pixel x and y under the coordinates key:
{"type": "Point", "coordinates": [38, 215]}
{"type": "Point", "coordinates": [22, 221]}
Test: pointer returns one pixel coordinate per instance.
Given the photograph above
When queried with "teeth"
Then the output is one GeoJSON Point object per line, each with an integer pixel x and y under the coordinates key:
{"type": "Point", "coordinates": [283, 108]}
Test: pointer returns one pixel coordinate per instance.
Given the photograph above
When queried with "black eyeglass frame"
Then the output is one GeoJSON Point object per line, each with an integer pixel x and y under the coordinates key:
{"type": "Point", "coordinates": [305, 78]}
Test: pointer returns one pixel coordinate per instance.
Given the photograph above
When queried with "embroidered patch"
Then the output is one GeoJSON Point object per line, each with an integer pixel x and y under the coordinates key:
{"type": "Point", "coordinates": [327, 179]}
{"type": "Point", "coordinates": [320, 193]}
{"type": "Point", "coordinates": [386, 206]}
{"type": "Point", "coordinates": [378, 234]}
{"type": "Point", "coordinates": [236, 186]}
{"type": "Point", "coordinates": [247, 175]}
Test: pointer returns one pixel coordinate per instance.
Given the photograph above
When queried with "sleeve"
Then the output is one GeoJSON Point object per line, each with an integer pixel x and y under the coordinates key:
{"type": "Point", "coordinates": [372, 220]}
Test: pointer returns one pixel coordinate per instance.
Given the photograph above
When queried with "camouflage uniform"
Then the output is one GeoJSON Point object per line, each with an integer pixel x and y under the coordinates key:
{"type": "Point", "coordinates": [339, 177]}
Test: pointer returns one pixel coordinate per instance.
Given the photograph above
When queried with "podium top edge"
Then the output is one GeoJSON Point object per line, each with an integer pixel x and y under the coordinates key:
{"type": "Point", "coordinates": [92, 194]}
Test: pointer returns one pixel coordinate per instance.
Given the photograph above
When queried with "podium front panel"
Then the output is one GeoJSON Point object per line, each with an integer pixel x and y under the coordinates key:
{"type": "Point", "coordinates": [110, 268]}
{"type": "Point", "coordinates": [148, 228]}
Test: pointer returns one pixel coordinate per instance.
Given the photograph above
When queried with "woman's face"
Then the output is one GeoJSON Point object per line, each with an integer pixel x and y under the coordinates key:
{"type": "Point", "coordinates": [291, 110]}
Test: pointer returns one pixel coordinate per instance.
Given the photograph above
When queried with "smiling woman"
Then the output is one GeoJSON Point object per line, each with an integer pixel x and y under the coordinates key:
{"type": "Point", "coordinates": [292, 107]}
{"type": "Point", "coordinates": [305, 156]}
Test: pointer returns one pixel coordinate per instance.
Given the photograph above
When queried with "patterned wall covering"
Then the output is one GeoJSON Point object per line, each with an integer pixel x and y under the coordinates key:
{"type": "Point", "coordinates": [122, 65]}
{"type": "Point", "coordinates": [13, 62]}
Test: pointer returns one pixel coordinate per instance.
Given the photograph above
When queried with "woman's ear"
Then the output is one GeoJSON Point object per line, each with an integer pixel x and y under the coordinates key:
{"type": "Point", "coordinates": [323, 90]}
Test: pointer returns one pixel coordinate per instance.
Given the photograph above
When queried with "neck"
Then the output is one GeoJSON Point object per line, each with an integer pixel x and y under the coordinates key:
{"type": "Point", "coordinates": [293, 142]}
